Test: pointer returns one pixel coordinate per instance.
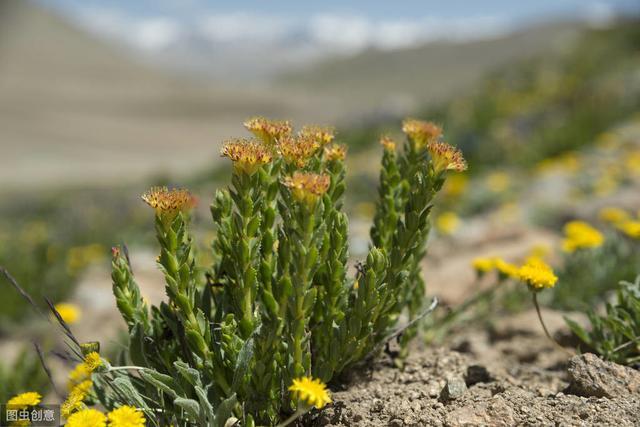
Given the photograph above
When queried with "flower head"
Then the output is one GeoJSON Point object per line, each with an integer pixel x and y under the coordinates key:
{"type": "Point", "coordinates": [73, 403]}
{"type": "Point", "coordinates": [446, 157]}
{"type": "Point", "coordinates": [169, 202]}
{"type": "Point", "coordinates": [321, 135]}
{"type": "Point", "coordinates": [387, 143]}
{"type": "Point", "coordinates": [310, 391]}
{"type": "Point", "coordinates": [307, 187]}
{"type": "Point", "coordinates": [537, 274]}
{"type": "Point", "coordinates": [580, 235]}
{"type": "Point", "coordinates": [23, 400]}
{"type": "Point", "coordinates": [506, 269]}
{"type": "Point", "coordinates": [70, 313]}
{"type": "Point", "coordinates": [79, 374]}
{"type": "Point", "coordinates": [335, 152]}
{"type": "Point", "coordinates": [297, 150]}
{"type": "Point", "coordinates": [613, 215]}
{"type": "Point", "coordinates": [268, 131]}
{"type": "Point", "coordinates": [247, 155]}
{"type": "Point", "coordinates": [420, 132]}
{"type": "Point", "coordinates": [87, 418]}
{"type": "Point", "coordinates": [126, 416]}
{"type": "Point", "coordinates": [483, 264]}
{"type": "Point", "coordinates": [630, 228]}
{"type": "Point", "coordinates": [447, 223]}
{"type": "Point", "coordinates": [93, 361]}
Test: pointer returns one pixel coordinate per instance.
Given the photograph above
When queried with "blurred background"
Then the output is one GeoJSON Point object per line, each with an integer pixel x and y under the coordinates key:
{"type": "Point", "coordinates": [101, 99]}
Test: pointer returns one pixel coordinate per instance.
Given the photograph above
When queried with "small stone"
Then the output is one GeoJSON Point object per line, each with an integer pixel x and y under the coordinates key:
{"type": "Point", "coordinates": [477, 374]}
{"type": "Point", "coordinates": [591, 376]}
{"type": "Point", "coordinates": [377, 405]}
{"type": "Point", "coordinates": [453, 389]}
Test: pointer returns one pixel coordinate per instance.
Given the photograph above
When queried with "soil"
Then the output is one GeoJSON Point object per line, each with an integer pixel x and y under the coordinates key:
{"type": "Point", "coordinates": [493, 380]}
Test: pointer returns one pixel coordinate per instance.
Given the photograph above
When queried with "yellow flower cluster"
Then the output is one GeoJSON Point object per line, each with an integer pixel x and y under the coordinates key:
{"type": "Point", "coordinates": [247, 155]}
{"type": "Point", "coordinates": [446, 157]}
{"type": "Point", "coordinates": [613, 215]}
{"type": "Point", "coordinates": [268, 131]}
{"type": "Point", "coordinates": [126, 416]}
{"type": "Point", "coordinates": [169, 202]}
{"type": "Point", "coordinates": [70, 313]}
{"type": "Point", "coordinates": [537, 274]}
{"type": "Point", "coordinates": [631, 228]}
{"type": "Point", "coordinates": [388, 143]}
{"type": "Point", "coordinates": [311, 392]}
{"type": "Point", "coordinates": [580, 235]}
{"type": "Point", "coordinates": [80, 383]}
{"type": "Point", "coordinates": [321, 135]}
{"type": "Point", "coordinates": [486, 264]}
{"type": "Point", "coordinates": [420, 132]}
{"type": "Point", "coordinates": [335, 152]}
{"type": "Point", "coordinates": [87, 418]}
{"type": "Point", "coordinates": [297, 150]}
{"type": "Point", "coordinates": [23, 400]}
{"type": "Point", "coordinates": [307, 187]}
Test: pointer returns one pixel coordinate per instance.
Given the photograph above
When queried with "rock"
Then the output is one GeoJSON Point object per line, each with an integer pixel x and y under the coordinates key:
{"type": "Point", "coordinates": [591, 376]}
{"type": "Point", "coordinates": [453, 389]}
{"type": "Point", "coordinates": [477, 374]}
{"type": "Point", "coordinates": [497, 413]}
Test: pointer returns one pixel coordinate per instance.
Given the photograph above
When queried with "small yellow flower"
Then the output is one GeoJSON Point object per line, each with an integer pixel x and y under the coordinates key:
{"type": "Point", "coordinates": [321, 135]}
{"type": "Point", "coordinates": [420, 132]}
{"type": "Point", "coordinates": [537, 274]}
{"type": "Point", "coordinates": [310, 391]}
{"type": "Point", "coordinates": [297, 150]}
{"type": "Point", "coordinates": [613, 215]}
{"type": "Point", "coordinates": [335, 152]}
{"type": "Point", "coordinates": [93, 361]}
{"type": "Point", "coordinates": [70, 313]}
{"type": "Point", "coordinates": [23, 400]}
{"type": "Point", "coordinates": [498, 182]}
{"type": "Point", "coordinates": [268, 131]}
{"type": "Point", "coordinates": [247, 155]}
{"type": "Point", "coordinates": [169, 202]}
{"type": "Point", "coordinates": [483, 265]}
{"type": "Point", "coordinates": [580, 235]}
{"type": "Point", "coordinates": [82, 389]}
{"type": "Point", "coordinates": [447, 223]}
{"type": "Point", "coordinates": [630, 228]}
{"type": "Point", "coordinates": [79, 374]}
{"type": "Point", "coordinates": [446, 157]}
{"type": "Point", "coordinates": [388, 143]}
{"type": "Point", "coordinates": [126, 416]}
{"type": "Point", "coordinates": [73, 403]}
{"type": "Point", "coordinates": [307, 187]}
{"type": "Point", "coordinates": [506, 268]}
{"type": "Point", "coordinates": [87, 418]}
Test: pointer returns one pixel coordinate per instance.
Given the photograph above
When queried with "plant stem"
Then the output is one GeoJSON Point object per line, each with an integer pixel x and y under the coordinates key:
{"type": "Point", "coordinates": [544, 327]}
{"type": "Point", "coordinates": [300, 412]}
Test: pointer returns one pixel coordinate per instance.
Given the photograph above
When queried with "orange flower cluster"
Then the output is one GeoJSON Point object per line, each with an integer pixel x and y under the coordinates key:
{"type": "Point", "coordinates": [321, 135]}
{"type": "Point", "coordinates": [297, 150]}
{"type": "Point", "coordinates": [307, 187]}
{"type": "Point", "coordinates": [268, 131]}
{"type": "Point", "coordinates": [169, 202]}
{"type": "Point", "coordinates": [335, 152]}
{"type": "Point", "coordinates": [446, 157]}
{"type": "Point", "coordinates": [388, 143]}
{"type": "Point", "coordinates": [247, 155]}
{"type": "Point", "coordinates": [420, 132]}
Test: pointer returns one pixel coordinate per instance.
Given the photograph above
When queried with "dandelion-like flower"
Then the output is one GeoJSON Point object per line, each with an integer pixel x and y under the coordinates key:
{"type": "Point", "coordinates": [80, 373]}
{"type": "Point", "coordinates": [630, 228]}
{"type": "Point", "coordinates": [87, 418]}
{"type": "Point", "coordinates": [387, 143]}
{"type": "Point", "coordinates": [268, 131]}
{"type": "Point", "coordinates": [247, 155]}
{"type": "Point", "coordinates": [420, 132]}
{"type": "Point", "coordinates": [169, 202]}
{"type": "Point", "coordinates": [446, 157]}
{"type": "Point", "coordinates": [537, 274]}
{"type": "Point", "coordinates": [81, 390]}
{"type": "Point", "coordinates": [321, 135]}
{"type": "Point", "coordinates": [126, 416]}
{"type": "Point", "coordinates": [23, 400]}
{"type": "Point", "coordinates": [70, 313]}
{"type": "Point", "coordinates": [580, 235]}
{"type": "Point", "coordinates": [506, 269]}
{"type": "Point", "coordinates": [613, 215]}
{"type": "Point", "coordinates": [335, 152]}
{"type": "Point", "coordinates": [297, 150]}
{"type": "Point", "coordinates": [73, 403]}
{"type": "Point", "coordinates": [307, 187]}
{"type": "Point", "coordinates": [310, 391]}
{"type": "Point", "coordinates": [93, 361]}
{"type": "Point", "coordinates": [483, 264]}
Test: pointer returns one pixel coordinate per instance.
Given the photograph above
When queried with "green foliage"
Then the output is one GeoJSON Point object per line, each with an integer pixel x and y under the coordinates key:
{"type": "Point", "coordinates": [24, 374]}
{"type": "Point", "coordinates": [278, 303]}
{"type": "Point", "coordinates": [615, 335]}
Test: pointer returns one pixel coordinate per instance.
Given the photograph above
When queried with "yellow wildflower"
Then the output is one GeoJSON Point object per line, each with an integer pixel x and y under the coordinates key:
{"type": "Point", "coordinates": [73, 403]}
{"type": "Point", "coordinates": [580, 235]}
{"type": "Point", "coordinates": [506, 269]}
{"type": "Point", "coordinates": [420, 132]}
{"type": "Point", "coordinates": [446, 157]}
{"type": "Point", "coordinates": [613, 215]}
{"type": "Point", "coordinates": [87, 418]}
{"type": "Point", "coordinates": [335, 152]}
{"type": "Point", "coordinates": [247, 155]}
{"type": "Point", "coordinates": [498, 182]}
{"type": "Point", "coordinates": [537, 274]}
{"type": "Point", "coordinates": [169, 202]}
{"type": "Point", "coordinates": [70, 313]}
{"type": "Point", "coordinates": [126, 416]}
{"type": "Point", "coordinates": [82, 389]}
{"type": "Point", "coordinates": [321, 135]}
{"type": "Point", "coordinates": [630, 228]}
{"type": "Point", "coordinates": [307, 187]}
{"type": "Point", "coordinates": [388, 143]}
{"type": "Point", "coordinates": [268, 131]}
{"type": "Point", "coordinates": [297, 150]}
{"type": "Point", "coordinates": [447, 223]}
{"type": "Point", "coordinates": [310, 391]}
{"type": "Point", "coordinates": [23, 400]}
{"type": "Point", "coordinates": [483, 265]}
{"type": "Point", "coordinates": [79, 374]}
{"type": "Point", "coordinates": [93, 361]}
